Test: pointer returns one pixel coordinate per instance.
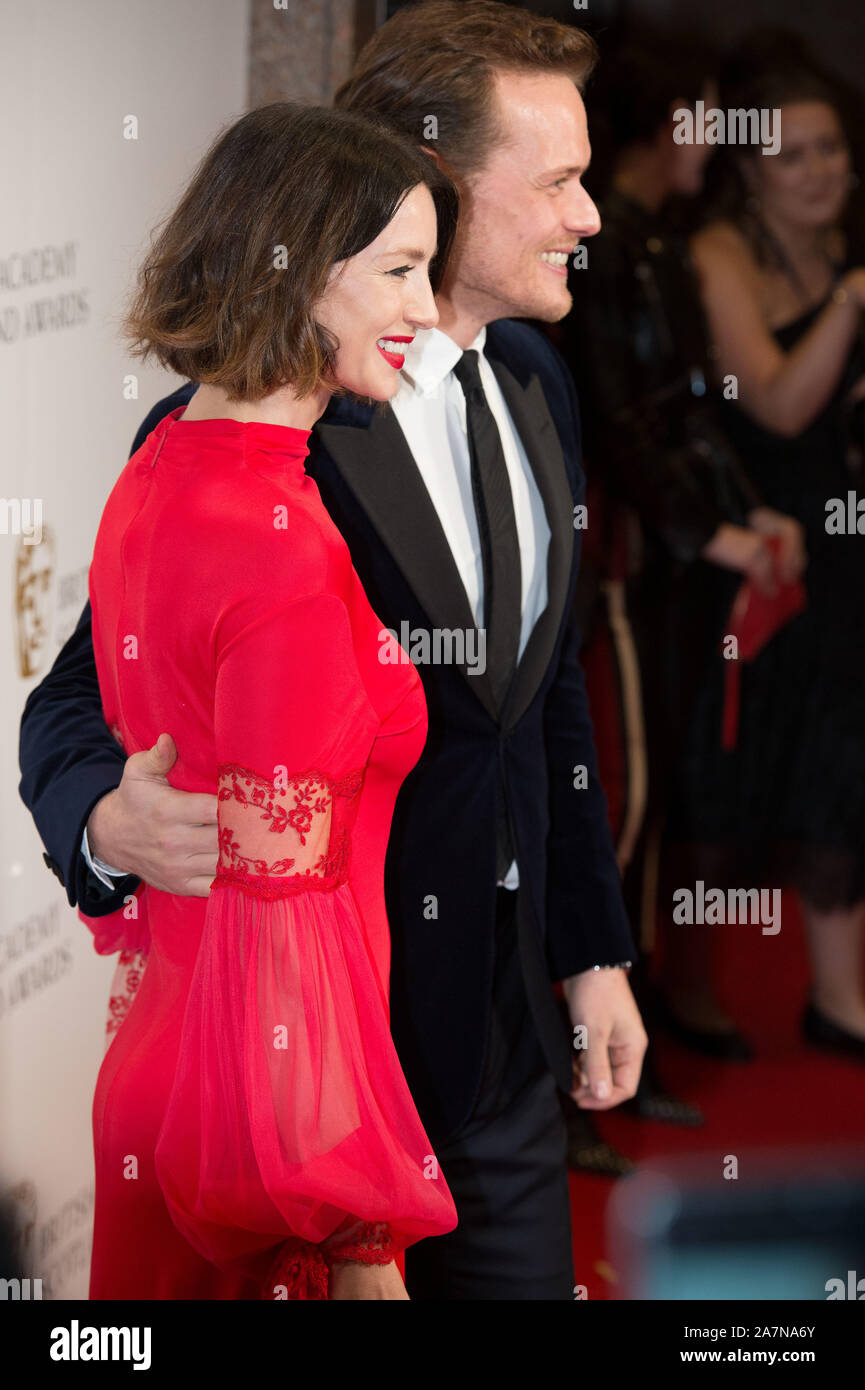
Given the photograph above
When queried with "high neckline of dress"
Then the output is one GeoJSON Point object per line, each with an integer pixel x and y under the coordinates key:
{"type": "Point", "coordinates": [287, 437]}
{"type": "Point", "coordinates": [276, 446]}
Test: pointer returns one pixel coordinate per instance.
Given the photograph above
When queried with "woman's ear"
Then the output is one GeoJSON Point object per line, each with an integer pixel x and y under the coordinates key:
{"type": "Point", "coordinates": [337, 269]}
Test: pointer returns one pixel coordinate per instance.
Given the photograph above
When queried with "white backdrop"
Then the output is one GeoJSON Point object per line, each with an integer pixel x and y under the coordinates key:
{"type": "Point", "coordinates": [77, 203]}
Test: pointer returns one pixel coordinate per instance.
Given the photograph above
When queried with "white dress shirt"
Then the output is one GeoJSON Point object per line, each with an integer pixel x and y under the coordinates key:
{"type": "Point", "coordinates": [430, 409]}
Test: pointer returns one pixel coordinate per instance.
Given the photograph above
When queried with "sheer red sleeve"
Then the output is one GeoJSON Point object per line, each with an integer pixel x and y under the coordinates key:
{"type": "Point", "coordinates": [290, 1139]}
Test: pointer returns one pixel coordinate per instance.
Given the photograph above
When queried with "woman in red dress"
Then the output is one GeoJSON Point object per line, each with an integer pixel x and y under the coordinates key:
{"type": "Point", "coordinates": [254, 1134]}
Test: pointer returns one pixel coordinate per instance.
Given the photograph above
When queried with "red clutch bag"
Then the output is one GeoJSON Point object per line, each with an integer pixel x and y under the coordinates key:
{"type": "Point", "coordinates": [754, 619]}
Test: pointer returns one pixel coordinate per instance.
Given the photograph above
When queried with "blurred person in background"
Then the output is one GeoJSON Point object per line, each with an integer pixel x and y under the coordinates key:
{"type": "Point", "coordinates": [674, 519]}
{"type": "Point", "coordinates": [784, 305]}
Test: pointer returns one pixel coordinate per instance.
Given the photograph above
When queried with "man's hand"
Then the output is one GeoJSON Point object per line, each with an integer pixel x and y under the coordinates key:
{"type": "Point", "coordinates": [607, 1070]}
{"type": "Point", "coordinates": [792, 557]}
{"type": "Point", "coordinates": [148, 828]}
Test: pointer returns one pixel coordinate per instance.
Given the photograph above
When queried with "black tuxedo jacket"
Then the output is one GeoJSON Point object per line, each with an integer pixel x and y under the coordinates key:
{"type": "Point", "coordinates": [440, 877]}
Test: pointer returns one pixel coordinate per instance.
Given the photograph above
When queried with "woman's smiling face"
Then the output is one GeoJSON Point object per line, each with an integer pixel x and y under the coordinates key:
{"type": "Point", "coordinates": [376, 301]}
{"type": "Point", "coordinates": [808, 181]}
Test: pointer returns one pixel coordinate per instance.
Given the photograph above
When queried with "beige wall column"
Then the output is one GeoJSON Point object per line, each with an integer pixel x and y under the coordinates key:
{"type": "Point", "coordinates": [299, 50]}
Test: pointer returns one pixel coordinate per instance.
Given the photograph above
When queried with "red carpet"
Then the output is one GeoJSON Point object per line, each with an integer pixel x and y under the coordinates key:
{"type": "Point", "coordinates": [790, 1093]}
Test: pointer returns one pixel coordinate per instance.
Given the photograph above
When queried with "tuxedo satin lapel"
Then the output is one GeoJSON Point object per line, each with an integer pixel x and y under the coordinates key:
{"type": "Point", "coordinates": [531, 416]}
{"type": "Point", "coordinates": [377, 464]}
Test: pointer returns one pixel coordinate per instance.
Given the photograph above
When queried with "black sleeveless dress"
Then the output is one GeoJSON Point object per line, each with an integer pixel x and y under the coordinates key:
{"type": "Point", "coordinates": [787, 805]}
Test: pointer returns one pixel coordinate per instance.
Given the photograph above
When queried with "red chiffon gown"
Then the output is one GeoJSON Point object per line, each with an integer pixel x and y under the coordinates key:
{"type": "Point", "coordinates": [251, 1121]}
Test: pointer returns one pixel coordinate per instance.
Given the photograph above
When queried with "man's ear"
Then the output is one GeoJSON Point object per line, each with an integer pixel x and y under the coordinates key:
{"type": "Point", "coordinates": [456, 179]}
{"type": "Point", "coordinates": [440, 161]}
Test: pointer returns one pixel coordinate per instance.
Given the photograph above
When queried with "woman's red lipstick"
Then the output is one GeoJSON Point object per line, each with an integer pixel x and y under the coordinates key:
{"type": "Point", "coordinates": [396, 359]}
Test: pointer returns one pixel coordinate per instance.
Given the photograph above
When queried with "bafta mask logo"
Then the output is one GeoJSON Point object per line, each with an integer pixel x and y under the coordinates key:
{"type": "Point", "coordinates": [34, 600]}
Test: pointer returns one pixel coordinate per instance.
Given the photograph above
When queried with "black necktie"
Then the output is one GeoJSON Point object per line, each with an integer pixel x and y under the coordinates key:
{"type": "Point", "coordinates": [497, 528]}
{"type": "Point", "coordinates": [500, 553]}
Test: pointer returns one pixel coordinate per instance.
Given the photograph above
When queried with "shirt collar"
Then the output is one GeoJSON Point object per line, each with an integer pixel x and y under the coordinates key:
{"type": "Point", "coordinates": [432, 356]}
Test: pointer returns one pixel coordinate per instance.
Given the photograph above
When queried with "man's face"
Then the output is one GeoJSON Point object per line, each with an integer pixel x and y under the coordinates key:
{"type": "Point", "coordinates": [524, 212]}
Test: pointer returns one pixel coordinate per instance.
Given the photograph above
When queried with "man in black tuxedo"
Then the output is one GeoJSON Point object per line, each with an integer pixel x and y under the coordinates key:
{"type": "Point", "coordinates": [461, 505]}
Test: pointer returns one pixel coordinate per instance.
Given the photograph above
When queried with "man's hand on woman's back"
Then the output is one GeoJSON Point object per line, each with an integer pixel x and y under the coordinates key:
{"type": "Point", "coordinates": [166, 837]}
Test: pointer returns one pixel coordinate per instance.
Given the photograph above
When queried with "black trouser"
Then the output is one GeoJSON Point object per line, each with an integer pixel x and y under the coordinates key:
{"type": "Point", "coordinates": [506, 1167]}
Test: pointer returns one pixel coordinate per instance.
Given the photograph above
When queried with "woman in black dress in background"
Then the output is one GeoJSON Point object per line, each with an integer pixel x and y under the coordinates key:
{"type": "Point", "coordinates": [785, 310]}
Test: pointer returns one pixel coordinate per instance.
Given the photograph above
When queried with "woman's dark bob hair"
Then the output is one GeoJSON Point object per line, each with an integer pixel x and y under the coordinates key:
{"type": "Point", "coordinates": [227, 293]}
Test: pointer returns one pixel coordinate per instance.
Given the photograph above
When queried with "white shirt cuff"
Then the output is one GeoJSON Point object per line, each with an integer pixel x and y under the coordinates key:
{"type": "Point", "coordinates": [511, 878]}
{"type": "Point", "coordinates": [99, 867]}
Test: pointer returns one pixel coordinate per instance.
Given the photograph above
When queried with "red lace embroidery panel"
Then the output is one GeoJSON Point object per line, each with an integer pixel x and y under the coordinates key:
{"type": "Point", "coordinates": [368, 1243]}
{"type": "Point", "coordinates": [301, 1270]}
{"type": "Point", "coordinates": [287, 834]}
{"type": "Point", "coordinates": [124, 987]}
